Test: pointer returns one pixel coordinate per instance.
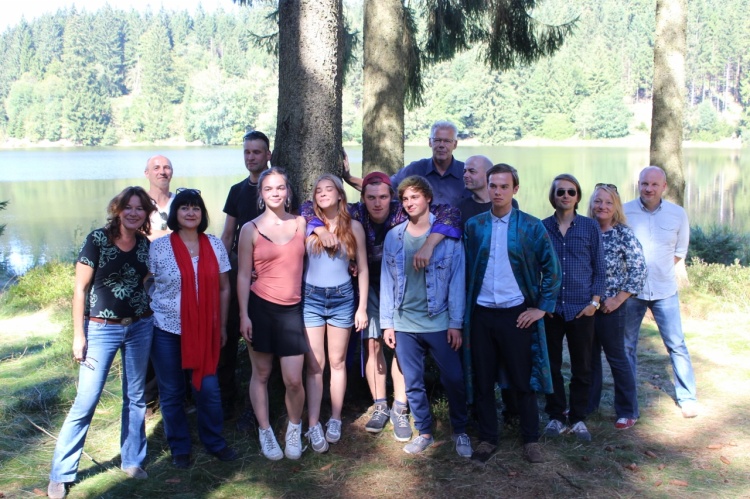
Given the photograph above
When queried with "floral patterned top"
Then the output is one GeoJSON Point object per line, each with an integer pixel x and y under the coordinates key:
{"type": "Point", "coordinates": [117, 289]}
{"type": "Point", "coordinates": [626, 265]}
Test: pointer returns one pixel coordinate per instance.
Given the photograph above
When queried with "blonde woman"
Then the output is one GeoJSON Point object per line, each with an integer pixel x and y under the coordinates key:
{"type": "Point", "coordinates": [330, 305]}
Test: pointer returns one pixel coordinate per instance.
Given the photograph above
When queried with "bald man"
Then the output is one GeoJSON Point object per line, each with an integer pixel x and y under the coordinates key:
{"type": "Point", "coordinates": [664, 232]}
{"type": "Point", "coordinates": [159, 174]}
{"type": "Point", "coordinates": [475, 181]}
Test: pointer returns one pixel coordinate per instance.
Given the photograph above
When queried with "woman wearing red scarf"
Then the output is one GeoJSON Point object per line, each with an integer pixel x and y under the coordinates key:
{"type": "Point", "coordinates": [190, 304]}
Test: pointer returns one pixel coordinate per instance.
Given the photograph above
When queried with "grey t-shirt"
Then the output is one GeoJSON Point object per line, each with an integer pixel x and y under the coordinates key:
{"type": "Point", "coordinates": [411, 316]}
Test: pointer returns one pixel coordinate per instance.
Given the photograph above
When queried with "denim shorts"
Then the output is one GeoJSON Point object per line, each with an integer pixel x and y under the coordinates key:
{"type": "Point", "coordinates": [334, 305]}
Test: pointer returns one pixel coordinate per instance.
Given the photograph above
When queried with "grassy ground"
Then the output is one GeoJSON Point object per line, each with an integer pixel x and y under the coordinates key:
{"type": "Point", "coordinates": [664, 455]}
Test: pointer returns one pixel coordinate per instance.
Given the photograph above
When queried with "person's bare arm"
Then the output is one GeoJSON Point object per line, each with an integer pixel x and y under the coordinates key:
{"type": "Point", "coordinates": [227, 235]}
{"type": "Point", "coordinates": [225, 294]}
{"type": "Point", "coordinates": [84, 278]}
{"type": "Point", "coordinates": [355, 182]}
{"type": "Point", "coordinates": [422, 257]}
{"type": "Point", "coordinates": [244, 278]}
{"type": "Point", "coordinates": [360, 316]}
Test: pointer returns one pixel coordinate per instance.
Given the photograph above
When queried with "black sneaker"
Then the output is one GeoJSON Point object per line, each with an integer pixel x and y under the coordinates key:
{"type": "Point", "coordinates": [226, 454]}
{"type": "Point", "coordinates": [181, 461]}
{"type": "Point", "coordinates": [247, 423]}
{"type": "Point", "coordinates": [379, 419]}
{"type": "Point", "coordinates": [483, 452]}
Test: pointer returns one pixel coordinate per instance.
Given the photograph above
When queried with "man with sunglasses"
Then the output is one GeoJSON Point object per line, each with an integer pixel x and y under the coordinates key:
{"type": "Point", "coordinates": [159, 174]}
{"type": "Point", "coordinates": [664, 232]}
{"type": "Point", "coordinates": [442, 170]}
{"type": "Point", "coordinates": [578, 243]}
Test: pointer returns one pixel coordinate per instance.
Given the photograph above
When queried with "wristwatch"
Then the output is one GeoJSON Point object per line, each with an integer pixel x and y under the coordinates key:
{"type": "Point", "coordinates": [595, 304]}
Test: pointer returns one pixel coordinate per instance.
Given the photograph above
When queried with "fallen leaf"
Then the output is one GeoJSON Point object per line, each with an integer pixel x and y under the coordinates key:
{"type": "Point", "coordinates": [512, 473]}
{"type": "Point", "coordinates": [733, 444]}
{"type": "Point", "coordinates": [714, 446]}
{"type": "Point", "coordinates": [679, 483]}
{"type": "Point", "coordinates": [725, 460]}
{"type": "Point", "coordinates": [658, 484]}
{"type": "Point", "coordinates": [632, 467]}
{"type": "Point", "coordinates": [173, 480]}
{"type": "Point", "coordinates": [40, 493]}
{"type": "Point", "coordinates": [295, 469]}
{"type": "Point", "coordinates": [609, 448]}
{"type": "Point", "coordinates": [586, 458]}
{"type": "Point", "coordinates": [326, 467]}
{"type": "Point", "coordinates": [662, 466]}
{"type": "Point", "coordinates": [650, 454]}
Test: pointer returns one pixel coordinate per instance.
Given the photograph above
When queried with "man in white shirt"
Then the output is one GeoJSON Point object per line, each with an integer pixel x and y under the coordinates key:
{"type": "Point", "coordinates": [159, 174]}
{"type": "Point", "coordinates": [664, 232]}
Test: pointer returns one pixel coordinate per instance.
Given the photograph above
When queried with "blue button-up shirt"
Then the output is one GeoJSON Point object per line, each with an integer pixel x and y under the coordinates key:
{"type": "Point", "coordinates": [446, 189]}
{"type": "Point", "coordinates": [581, 255]}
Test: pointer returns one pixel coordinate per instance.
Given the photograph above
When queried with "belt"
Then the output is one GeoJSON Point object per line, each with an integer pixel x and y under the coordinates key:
{"type": "Point", "coordinates": [124, 321]}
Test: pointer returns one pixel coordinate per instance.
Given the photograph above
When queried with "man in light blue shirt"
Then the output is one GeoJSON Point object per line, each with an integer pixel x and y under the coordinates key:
{"type": "Point", "coordinates": [664, 232]}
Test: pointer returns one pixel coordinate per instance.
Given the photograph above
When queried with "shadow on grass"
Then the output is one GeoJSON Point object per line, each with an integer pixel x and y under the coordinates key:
{"type": "Point", "coordinates": [663, 455]}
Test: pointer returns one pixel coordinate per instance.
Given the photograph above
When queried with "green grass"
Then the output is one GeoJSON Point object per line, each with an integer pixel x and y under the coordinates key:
{"type": "Point", "coordinates": [664, 455]}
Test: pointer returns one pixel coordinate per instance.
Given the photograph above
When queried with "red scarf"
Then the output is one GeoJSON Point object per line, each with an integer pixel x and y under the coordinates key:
{"type": "Point", "coordinates": [200, 319]}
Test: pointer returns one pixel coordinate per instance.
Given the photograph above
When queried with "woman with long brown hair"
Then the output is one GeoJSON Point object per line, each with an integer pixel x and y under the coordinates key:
{"type": "Point", "coordinates": [273, 246]}
{"type": "Point", "coordinates": [329, 304]}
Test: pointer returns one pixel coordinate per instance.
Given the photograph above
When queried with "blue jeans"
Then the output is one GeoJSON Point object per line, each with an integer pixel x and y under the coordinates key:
{"type": "Point", "coordinates": [166, 356]}
{"type": "Point", "coordinates": [104, 340]}
{"type": "Point", "coordinates": [411, 349]}
{"type": "Point", "coordinates": [667, 316]}
{"type": "Point", "coordinates": [609, 335]}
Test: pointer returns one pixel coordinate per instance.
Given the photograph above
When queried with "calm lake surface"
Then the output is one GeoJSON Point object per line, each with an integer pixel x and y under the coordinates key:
{"type": "Point", "coordinates": [57, 196]}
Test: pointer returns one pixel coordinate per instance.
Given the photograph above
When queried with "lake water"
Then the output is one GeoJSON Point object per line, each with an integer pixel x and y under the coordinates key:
{"type": "Point", "coordinates": [58, 195]}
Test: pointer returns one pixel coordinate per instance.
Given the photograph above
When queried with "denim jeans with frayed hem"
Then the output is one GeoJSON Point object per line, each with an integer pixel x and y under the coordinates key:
{"type": "Point", "coordinates": [667, 316]}
{"type": "Point", "coordinates": [103, 342]}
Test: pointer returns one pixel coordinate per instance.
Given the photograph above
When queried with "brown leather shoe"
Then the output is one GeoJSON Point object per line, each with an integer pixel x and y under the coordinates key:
{"type": "Point", "coordinates": [532, 453]}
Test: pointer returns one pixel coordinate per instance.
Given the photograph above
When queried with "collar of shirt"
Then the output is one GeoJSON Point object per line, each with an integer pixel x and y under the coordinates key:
{"type": "Point", "coordinates": [452, 169]}
{"type": "Point", "coordinates": [495, 219]}
{"type": "Point", "coordinates": [644, 208]}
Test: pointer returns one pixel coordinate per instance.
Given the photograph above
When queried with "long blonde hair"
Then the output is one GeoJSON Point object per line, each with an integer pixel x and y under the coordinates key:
{"type": "Point", "coordinates": [343, 229]}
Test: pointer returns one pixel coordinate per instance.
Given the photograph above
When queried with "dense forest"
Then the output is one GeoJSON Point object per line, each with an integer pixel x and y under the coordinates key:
{"type": "Point", "coordinates": [116, 76]}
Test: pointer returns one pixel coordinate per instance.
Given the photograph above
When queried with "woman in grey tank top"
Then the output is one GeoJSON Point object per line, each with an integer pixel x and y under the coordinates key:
{"type": "Point", "coordinates": [330, 305]}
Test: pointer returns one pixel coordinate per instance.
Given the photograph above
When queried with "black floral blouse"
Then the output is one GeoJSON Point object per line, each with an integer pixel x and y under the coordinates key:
{"type": "Point", "coordinates": [117, 289]}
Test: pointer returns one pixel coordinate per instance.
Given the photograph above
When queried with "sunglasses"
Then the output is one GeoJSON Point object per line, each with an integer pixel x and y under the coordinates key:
{"type": "Point", "coordinates": [188, 190]}
{"type": "Point", "coordinates": [87, 363]}
{"type": "Point", "coordinates": [611, 186]}
{"type": "Point", "coordinates": [561, 192]}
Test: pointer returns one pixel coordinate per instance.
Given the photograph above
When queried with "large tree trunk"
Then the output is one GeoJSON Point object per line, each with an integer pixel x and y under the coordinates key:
{"type": "Point", "coordinates": [384, 87]}
{"type": "Point", "coordinates": [669, 94]}
{"type": "Point", "coordinates": [308, 127]}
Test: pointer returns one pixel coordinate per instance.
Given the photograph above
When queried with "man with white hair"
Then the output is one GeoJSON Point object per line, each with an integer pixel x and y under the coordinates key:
{"type": "Point", "coordinates": [442, 170]}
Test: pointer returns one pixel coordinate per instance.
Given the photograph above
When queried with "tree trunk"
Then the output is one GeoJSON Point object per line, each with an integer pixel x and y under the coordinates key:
{"type": "Point", "coordinates": [669, 94]}
{"type": "Point", "coordinates": [384, 87]}
{"type": "Point", "coordinates": [308, 129]}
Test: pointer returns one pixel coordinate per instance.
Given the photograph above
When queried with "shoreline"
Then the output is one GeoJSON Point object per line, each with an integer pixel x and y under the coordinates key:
{"type": "Point", "coordinates": [631, 141]}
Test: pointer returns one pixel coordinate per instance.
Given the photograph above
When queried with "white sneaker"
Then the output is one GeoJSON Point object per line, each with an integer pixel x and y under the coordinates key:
{"type": "Point", "coordinates": [333, 430]}
{"type": "Point", "coordinates": [293, 448]}
{"type": "Point", "coordinates": [317, 441]}
{"type": "Point", "coordinates": [269, 445]}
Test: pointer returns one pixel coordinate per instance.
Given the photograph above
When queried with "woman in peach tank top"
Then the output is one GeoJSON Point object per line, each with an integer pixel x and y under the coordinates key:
{"type": "Point", "coordinates": [270, 309]}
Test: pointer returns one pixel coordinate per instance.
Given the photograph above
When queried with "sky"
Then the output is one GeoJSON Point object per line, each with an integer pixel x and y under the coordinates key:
{"type": "Point", "coordinates": [11, 11]}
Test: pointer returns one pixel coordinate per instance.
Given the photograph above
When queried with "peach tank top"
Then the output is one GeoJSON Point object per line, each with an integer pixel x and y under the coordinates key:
{"type": "Point", "coordinates": [279, 268]}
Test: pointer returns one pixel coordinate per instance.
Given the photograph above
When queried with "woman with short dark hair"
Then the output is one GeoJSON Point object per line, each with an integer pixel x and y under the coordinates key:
{"type": "Point", "coordinates": [190, 303]}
